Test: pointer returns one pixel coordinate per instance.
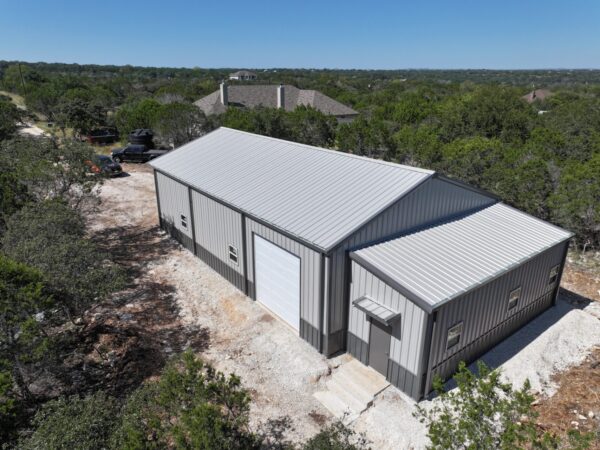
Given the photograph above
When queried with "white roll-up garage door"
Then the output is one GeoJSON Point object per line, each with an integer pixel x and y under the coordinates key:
{"type": "Point", "coordinates": [277, 280]}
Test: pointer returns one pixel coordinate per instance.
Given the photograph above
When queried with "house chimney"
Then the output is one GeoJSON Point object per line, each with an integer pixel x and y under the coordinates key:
{"type": "Point", "coordinates": [224, 97]}
{"type": "Point", "coordinates": [280, 97]}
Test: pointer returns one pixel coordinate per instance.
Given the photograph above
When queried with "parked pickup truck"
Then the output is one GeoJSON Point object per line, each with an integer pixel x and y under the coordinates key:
{"type": "Point", "coordinates": [135, 153]}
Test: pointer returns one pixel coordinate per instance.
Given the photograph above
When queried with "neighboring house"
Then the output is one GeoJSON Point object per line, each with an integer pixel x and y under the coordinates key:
{"type": "Point", "coordinates": [537, 94]}
{"type": "Point", "coordinates": [272, 96]}
{"type": "Point", "coordinates": [407, 270]}
{"type": "Point", "coordinates": [242, 75]}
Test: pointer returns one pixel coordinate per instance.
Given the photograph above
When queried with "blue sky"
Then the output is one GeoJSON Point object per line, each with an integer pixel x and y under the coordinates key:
{"type": "Point", "coordinates": [388, 34]}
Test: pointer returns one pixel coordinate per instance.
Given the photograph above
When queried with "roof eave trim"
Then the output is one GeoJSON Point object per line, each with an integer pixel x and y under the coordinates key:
{"type": "Point", "coordinates": [500, 273]}
{"type": "Point", "coordinates": [417, 300]}
{"type": "Point", "coordinates": [311, 245]}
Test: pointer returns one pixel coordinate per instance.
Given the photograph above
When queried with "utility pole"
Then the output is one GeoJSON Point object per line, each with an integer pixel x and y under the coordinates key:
{"type": "Point", "coordinates": [22, 79]}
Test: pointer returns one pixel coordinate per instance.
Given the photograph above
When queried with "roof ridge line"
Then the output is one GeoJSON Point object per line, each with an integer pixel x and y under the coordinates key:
{"type": "Point", "coordinates": [337, 152]}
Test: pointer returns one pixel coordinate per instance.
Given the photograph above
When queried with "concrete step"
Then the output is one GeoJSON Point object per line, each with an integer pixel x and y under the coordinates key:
{"type": "Point", "coordinates": [335, 405]}
{"type": "Point", "coordinates": [366, 378]}
{"type": "Point", "coordinates": [359, 390]}
{"type": "Point", "coordinates": [347, 396]}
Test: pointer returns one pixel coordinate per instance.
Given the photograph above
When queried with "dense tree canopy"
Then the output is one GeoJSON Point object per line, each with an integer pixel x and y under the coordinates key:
{"type": "Point", "coordinates": [471, 125]}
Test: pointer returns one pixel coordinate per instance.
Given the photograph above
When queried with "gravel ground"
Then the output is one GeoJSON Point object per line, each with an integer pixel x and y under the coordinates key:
{"type": "Point", "coordinates": [282, 371]}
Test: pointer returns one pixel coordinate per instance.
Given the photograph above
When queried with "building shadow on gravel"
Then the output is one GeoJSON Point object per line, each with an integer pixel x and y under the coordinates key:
{"type": "Point", "coordinates": [515, 343]}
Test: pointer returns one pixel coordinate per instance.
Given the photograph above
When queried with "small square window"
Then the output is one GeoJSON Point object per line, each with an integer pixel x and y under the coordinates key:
{"type": "Point", "coordinates": [513, 298]}
{"type": "Point", "coordinates": [553, 275]}
{"type": "Point", "coordinates": [233, 254]}
{"type": "Point", "coordinates": [454, 335]}
{"type": "Point", "coordinates": [183, 221]}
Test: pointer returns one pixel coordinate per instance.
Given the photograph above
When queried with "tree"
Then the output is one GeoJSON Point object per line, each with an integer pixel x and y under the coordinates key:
{"type": "Point", "coordinates": [79, 114]}
{"type": "Point", "coordinates": [10, 116]}
{"type": "Point", "coordinates": [370, 138]}
{"type": "Point", "coordinates": [51, 237]}
{"type": "Point", "coordinates": [74, 423]}
{"type": "Point", "coordinates": [483, 412]}
{"type": "Point", "coordinates": [179, 123]}
{"type": "Point", "coordinates": [192, 406]}
{"type": "Point", "coordinates": [23, 303]}
{"type": "Point", "coordinates": [140, 114]}
{"type": "Point", "coordinates": [336, 437]}
{"type": "Point", "coordinates": [20, 77]}
{"type": "Point", "coordinates": [419, 146]}
{"type": "Point", "coordinates": [468, 159]}
{"type": "Point", "coordinates": [312, 127]}
{"type": "Point", "coordinates": [48, 170]}
{"type": "Point", "coordinates": [576, 202]}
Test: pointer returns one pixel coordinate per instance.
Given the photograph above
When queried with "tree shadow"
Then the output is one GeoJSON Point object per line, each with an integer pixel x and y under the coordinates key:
{"type": "Point", "coordinates": [273, 433]}
{"type": "Point", "coordinates": [118, 348]}
{"type": "Point", "coordinates": [133, 247]}
{"type": "Point", "coordinates": [129, 337]}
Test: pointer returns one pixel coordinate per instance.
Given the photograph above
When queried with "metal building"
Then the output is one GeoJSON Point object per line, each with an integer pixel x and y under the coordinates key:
{"type": "Point", "coordinates": [409, 271]}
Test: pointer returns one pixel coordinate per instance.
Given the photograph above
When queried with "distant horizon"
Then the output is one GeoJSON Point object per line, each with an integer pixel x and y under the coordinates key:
{"type": "Point", "coordinates": [353, 35]}
{"type": "Point", "coordinates": [432, 69]}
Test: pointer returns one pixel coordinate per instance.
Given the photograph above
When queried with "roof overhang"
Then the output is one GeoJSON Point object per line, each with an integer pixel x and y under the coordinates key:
{"type": "Point", "coordinates": [376, 310]}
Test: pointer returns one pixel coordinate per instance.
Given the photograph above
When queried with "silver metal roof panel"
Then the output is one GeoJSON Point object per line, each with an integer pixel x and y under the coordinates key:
{"type": "Point", "coordinates": [437, 264]}
{"type": "Point", "coordinates": [319, 196]}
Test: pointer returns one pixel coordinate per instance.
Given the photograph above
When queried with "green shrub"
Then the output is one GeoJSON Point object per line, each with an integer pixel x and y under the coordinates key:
{"type": "Point", "coordinates": [73, 423]}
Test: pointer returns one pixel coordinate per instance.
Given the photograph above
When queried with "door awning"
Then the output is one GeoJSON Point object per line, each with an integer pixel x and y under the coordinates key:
{"type": "Point", "coordinates": [376, 310]}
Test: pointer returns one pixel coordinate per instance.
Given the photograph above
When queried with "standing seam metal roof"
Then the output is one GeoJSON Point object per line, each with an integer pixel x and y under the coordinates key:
{"type": "Point", "coordinates": [442, 262]}
{"type": "Point", "coordinates": [318, 195]}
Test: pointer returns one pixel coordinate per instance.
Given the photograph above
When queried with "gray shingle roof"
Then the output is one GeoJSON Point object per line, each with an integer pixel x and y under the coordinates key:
{"type": "Point", "coordinates": [240, 73]}
{"type": "Point", "coordinates": [252, 96]}
{"type": "Point", "coordinates": [442, 262]}
{"type": "Point", "coordinates": [319, 196]}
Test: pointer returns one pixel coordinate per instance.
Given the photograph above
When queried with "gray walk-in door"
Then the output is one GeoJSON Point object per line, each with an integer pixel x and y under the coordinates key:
{"type": "Point", "coordinates": [277, 280]}
{"type": "Point", "coordinates": [379, 346]}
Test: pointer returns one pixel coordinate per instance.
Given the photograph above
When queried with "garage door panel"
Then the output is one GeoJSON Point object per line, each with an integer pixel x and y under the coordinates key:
{"type": "Point", "coordinates": [277, 280]}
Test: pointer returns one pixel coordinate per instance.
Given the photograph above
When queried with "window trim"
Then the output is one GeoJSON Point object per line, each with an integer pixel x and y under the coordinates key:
{"type": "Point", "coordinates": [458, 326]}
{"type": "Point", "coordinates": [553, 276]}
{"type": "Point", "coordinates": [232, 251]}
{"type": "Point", "coordinates": [183, 221]}
{"type": "Point", "coordinates": [517, 291]}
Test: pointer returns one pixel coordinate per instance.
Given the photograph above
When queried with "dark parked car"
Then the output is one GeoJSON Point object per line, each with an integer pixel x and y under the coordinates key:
{"type": "Point", "coordinates": [102, 164]}
{"type": "Point", "coordinates": [136, 153]}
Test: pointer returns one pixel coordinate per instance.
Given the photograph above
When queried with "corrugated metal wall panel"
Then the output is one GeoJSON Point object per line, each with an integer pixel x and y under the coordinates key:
{"type": "Point", "coordinates": [175, 202]}
{"type": "Point", "coordinates": [408, 334]}
{"type": "Point", "coordinates": [485, 315]}
{"type": "Point", "coordinates": [431, 201]}
{"type": "Point", "coordinates": [216, 227]}
{"type": "Point", "coordinates": [310, 275]}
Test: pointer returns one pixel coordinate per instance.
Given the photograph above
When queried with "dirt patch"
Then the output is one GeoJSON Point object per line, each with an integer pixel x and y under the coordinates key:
{"type": "Point", "coordinates": [582, 275]}
{"type": "Point", "coordinates": [577, 403]}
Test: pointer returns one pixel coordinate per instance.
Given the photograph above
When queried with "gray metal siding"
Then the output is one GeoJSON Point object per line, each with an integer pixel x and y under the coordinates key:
{"type": "Point", "coordinates": [485, 315]}
{"type": "Point", "coordinates": [408, 333]}
{"type": "Point", "coordinates": [310, 276]}
{"type": "Point", "coordinates": [216, 227]}
{"type": "Point", "coordinates": [431, 201]}
{"type": "Point", "coordinates": [174, 202]}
